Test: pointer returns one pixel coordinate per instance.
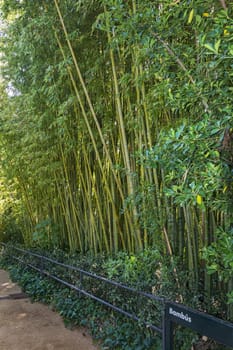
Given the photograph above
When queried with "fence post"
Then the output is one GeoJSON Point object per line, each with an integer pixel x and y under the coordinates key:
{"type": "Point", "coordinates": [167, 330]}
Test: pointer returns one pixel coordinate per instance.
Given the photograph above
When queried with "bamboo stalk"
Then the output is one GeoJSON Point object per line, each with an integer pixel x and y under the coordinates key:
{"type": "Point", "coordinates": [123, 140]}
{"type": "Point", "coordinates": [95, 146]}
{"type": "Point", "coordinates": [189, 242]}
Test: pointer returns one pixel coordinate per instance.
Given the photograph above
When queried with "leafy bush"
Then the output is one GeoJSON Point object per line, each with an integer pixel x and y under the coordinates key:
{"type": "Point", "coordinates": [9, 228]}
{"type": "Point", "coordinates": [219, 258]}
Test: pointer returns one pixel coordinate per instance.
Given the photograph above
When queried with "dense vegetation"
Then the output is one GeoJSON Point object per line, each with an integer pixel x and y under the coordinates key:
{"type": "Point", "coordinates": [116, 132]}
{"type": "Point", "coordinates": [143, 271]}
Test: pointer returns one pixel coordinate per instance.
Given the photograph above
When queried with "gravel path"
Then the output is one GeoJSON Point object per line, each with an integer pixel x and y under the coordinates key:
{"type": "Point", "coordinates": [33, 326]}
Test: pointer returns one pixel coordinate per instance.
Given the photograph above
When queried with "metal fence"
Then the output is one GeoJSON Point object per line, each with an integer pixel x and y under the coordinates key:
{"type": "Point", "coordinates": [168, 313]}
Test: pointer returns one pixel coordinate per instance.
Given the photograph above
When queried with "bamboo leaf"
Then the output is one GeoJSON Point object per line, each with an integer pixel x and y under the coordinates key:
{"type": "Point", "coordinates": [210, 47]}
{"type": "Point", "coordinates": [217, 45]}
{"type": "Point", "coordinates": [190, 18]}
{"type": "Point", "coordinates": [199, 200]}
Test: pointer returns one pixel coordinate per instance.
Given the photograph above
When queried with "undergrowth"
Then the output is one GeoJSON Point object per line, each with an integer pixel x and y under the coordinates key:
{"type": "Point", "coordinates": [146, 271]}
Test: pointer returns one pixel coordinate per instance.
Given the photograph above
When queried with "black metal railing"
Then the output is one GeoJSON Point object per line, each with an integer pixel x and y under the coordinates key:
{"type": "Point", "coordinates": [168, 313]}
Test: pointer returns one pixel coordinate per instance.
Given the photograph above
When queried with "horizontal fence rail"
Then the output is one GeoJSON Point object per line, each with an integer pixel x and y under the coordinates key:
{"type": "Point", "coordinates": [170, 313]}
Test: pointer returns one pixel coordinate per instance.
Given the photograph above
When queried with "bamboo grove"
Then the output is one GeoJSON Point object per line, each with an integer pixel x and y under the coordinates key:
{"type": "Point", "coordinates": [116, 124]}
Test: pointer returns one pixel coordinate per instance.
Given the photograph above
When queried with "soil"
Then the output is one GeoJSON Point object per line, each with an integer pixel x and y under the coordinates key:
{"type": "Point", "coordinates": [33, 326]}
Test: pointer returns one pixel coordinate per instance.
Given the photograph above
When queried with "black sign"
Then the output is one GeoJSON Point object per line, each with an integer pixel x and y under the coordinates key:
{"type": "Point", "coordinates": [210, 326]}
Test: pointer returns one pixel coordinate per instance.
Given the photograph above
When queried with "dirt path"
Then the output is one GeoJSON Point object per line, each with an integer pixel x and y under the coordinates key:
{"type": "Point", "coordinates": [27, 326]}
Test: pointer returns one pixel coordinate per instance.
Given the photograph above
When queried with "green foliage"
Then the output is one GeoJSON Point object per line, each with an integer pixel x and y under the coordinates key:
{"type": "Point", "coordinates": [45, 235]}
{"type": "Point", "coordinates": [10, 212]}
{"type": "Point", "coordinates": [9, 228]}
{"type": "Point", "coordinates": [219, 258]}
{"type": "Point", "coordinates": [219, 255]}
{"type": "Point", "coordinates": [118, 129]}
{"type": "Point", "coordinates": [172, 64]}
{"type": "Point", "coordinates": [114, 331]}
{"type": "Point", "coordinates": [196, 168]}
{"type": "Point", "coordinates": [147, 270]}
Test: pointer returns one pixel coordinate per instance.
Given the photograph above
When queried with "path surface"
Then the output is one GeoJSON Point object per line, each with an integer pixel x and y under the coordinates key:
{"type": "Point", "coordinates": [27, 326]}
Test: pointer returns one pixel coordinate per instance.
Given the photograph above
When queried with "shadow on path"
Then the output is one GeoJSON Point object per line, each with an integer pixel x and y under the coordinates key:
{"type": "Point", "coordinates": [33, 326]}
